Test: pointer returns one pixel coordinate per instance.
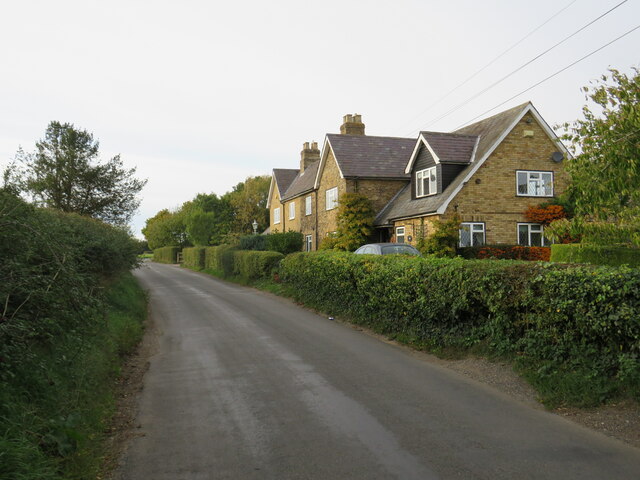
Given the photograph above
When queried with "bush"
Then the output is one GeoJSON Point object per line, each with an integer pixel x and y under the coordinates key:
{"type": "Point", "coordinates": [166, 255]}
{"type": "Point", "coordinates": [550, 318]}
{"type": "Point", "coordinates": [218, 257]}
{"type": "Point", "coordinates": [285, 243]}
{"type": "Point", "coordinates": [596, 254]}
{"type": "Point", "coordinates": [444, 239]}
{"type": "Point", "coordinates": [506, 252]}
{"type": "Point", "coordinates": [253, 242]}
{"type": "Point", "coordinates": [193, 257]}
{"type": "Point", "coordinates": [252, 265]}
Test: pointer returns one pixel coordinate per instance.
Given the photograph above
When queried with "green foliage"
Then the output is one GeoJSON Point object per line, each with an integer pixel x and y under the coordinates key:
{"type": "Point", "coordinates": [64, 173]}
{"type": "Point", "coordinates": [253, 242]}
{"type": "Point", "coordinates": [200, 227]}
{"type": "Point", "coordinates": [444, 239]}
{"type": "Point", "coordinates": [251, 265]}
{"type": "Point", "coordinates": [194, 257]}
{"type": "Point", "coordinates": [596, 232]}
{"type": "Point", "coordinates": [219, 258]}
{"type": "Point", "coordinates": [60, 336]}
{"type": "Point", "coordinates": [249, 202]}
{"type": "Point", "coordinates": [605, 171]}
{"type": "Point", "coordinates": [330, 242]}
{"type": "Point", "coordinates": [355, 221]}
{"type": "Point", "coordinates": [166, 255]}
{"type": "Point", "coordinates": [552, 319]}
{"type": "Point", "coordinates": [166, 228]}
{"type": "Point", "coordinates": [595, 254]}
{"type": "Point", "coordinates": [285, 242]}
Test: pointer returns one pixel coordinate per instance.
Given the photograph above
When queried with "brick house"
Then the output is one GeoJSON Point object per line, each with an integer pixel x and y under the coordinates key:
{"type": "Point", "coordinates": [488, 173]}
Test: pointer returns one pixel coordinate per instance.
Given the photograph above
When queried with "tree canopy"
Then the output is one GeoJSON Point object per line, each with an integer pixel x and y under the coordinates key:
{"type": "Point", "coordinates": [66, 173]}
{"type": "Point", "coordinates": [605, 170]}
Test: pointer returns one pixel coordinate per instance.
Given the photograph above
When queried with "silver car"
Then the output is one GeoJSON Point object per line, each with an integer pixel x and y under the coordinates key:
{"type": "Point", "coordinates": [388, 249]}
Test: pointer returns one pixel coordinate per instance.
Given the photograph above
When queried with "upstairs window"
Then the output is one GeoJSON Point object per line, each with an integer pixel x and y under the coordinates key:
{"type": "Point", "coordinates": [471, 234]}
{"type": "Point", "coordinates": [276, 215]}
{"type": "Point", "coordinates": [426, 182]}
{"type": "Point", "coordinates": [307, 205]}
{"type": "Point", "coordinates": [531, 235]}
{"type": "Point", "coordinates": [292, 210]}
{"type": "Point", "coordinates": [332, 198]}
{"type": "Point", "coordinates": [534, 184]}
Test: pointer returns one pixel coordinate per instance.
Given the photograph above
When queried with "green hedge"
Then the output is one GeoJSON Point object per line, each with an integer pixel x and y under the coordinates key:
{"type": "Point", "coordinates": [251, 264]}
{"type": "Point", "coordinates": [285, 243]}
{"type": "Point", "coordinates": [193, 257]}
{"type": "Point", "coordinates": [166, 254]}
{"type": "Point", "coordinates": [253, 242]}
{"type": "Point", "coordinates": [216, 258]}
{"type": "Point", "coordinates": [612, 255]}
{"type": "Point", "coordinates": [556, 321]}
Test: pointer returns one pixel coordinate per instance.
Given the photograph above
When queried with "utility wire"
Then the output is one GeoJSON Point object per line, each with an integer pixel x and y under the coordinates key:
{"type": "Point", "coordinates": [429, 107]}
{"type": "Point", "coordinates": [550, 76]}
{"type": "Point", "coordinates": [497, 82]}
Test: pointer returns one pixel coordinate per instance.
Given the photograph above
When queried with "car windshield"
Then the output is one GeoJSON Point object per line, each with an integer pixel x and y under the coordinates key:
{"type": "Point", "coordinates": [399, 249]}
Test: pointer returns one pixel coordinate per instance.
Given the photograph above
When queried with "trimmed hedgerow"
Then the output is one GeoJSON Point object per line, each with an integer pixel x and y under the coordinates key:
{"type": "Point", "coordinates": [506, 252]}
{"type": "Point", "coordinates": [574, 331]}
{"type": "Point", "coordinates": [252, 265]}
{"type": "Point", "coordinates": [285, 243]}
{"type": "Point", "coordinates": [193, 257]}
{"type": "Point", "coordinates": [612, 255]}
{"type": "Point", "coordinates": [166, 254]}
{"type": "Point", "coordinates": [253, 242]}
{"type": "Point", "coordinates": [216, 258]}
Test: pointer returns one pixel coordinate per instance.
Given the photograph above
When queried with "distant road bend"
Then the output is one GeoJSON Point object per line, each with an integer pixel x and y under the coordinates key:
{"type": "Point", "coordinates": [246, 385]}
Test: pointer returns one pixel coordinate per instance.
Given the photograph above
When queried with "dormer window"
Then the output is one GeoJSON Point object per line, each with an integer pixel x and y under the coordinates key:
{"type": "Point", "coordinates": [426, 182]}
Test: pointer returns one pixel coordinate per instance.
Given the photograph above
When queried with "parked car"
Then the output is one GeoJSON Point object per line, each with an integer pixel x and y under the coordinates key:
{"type": "Point", "coordinates": [388, 249]}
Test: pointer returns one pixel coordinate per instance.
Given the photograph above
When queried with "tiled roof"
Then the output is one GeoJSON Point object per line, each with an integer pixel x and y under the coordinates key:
{"type": "Point", "coordinates": [284, 177]}
{"type": "Point", "coordinates": [489, 130]}
{"type": "Point", "coordinates": [451, 147]}
{"type": "Point", "coordinates": [303, 182]}
{"type": "Point", "coordinates": [371, 157]}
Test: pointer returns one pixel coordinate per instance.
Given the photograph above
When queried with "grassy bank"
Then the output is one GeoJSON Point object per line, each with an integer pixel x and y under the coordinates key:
{"type": "Point", "coordinates": [55, 407]}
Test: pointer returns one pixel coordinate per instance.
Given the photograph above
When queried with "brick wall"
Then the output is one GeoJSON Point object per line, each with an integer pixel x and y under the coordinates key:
{"type": "Point", "coordinates": [329, 178]}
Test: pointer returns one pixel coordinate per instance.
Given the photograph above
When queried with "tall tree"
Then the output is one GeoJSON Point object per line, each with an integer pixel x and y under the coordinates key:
{"type": "Point", "coordinates": [605, 170]}
{"type": "Point", "coordinates": [164, 229]}
{"type": "Point", "coordinates": [249, 202]}
{"type": "Point", "coordinates": [355, 221]}
{"type": "Point", "coordinates": [65, 173]}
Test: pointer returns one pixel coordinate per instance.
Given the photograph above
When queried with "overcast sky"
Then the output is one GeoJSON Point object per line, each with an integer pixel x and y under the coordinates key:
{"type": "Point", "coordinates": [198, 95]}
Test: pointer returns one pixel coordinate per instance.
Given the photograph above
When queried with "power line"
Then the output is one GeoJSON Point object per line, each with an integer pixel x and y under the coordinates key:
{"type": "Point", "coordinates": [550, 76]}
{"type": "Point", "coordinates": [429, 107]}
{"type": "Point", "coordinates": [473, 97]}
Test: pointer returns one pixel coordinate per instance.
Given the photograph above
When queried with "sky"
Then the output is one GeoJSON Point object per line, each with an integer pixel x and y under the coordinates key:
{"type": "Point", "coordinates": [198, 95]}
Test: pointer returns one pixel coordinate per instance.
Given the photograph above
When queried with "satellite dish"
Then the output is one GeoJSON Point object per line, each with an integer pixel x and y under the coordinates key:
{"type": "Point", "coordinates": [557, 157]}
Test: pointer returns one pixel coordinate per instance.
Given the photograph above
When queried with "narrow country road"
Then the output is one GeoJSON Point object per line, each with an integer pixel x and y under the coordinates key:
{"type": "Point", "coordinates": [246, 385]}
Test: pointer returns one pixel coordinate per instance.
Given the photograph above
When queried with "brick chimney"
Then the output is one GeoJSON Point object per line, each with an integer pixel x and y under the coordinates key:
{"type": "Point", "coordinates": [309, 154]}
{"type": "Point", "coordinates": [352, 125]}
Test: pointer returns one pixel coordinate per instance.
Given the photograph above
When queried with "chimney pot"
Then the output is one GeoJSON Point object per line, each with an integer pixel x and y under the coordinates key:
{"type": "Point", "coordinates": [352, 125]}
{"type": "Point", "coordinates": [308, 155]}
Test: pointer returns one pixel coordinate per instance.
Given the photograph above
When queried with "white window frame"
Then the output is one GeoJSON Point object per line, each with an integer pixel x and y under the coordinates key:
{"type": "Point", "coordinates": [398, 234]}
{"type": "Point", "coordinates": [331, 198]}
{"type": "Point", "coordinates": [307, 205]}
{"type": "Point", "coordinates": [292, 210]}
{"type": "Point", "coordinates": [276, 215]}
{"type": "Point", "coordinates": [422, 176]}
{"type": "Point", "coordinates": [529, 174]}
{"type": "Point", "coordinates": [308, 242]}
{"type": "Point", "coordinates": [474, 227]}
{"type": "Point", "coordinates": [529, 225]}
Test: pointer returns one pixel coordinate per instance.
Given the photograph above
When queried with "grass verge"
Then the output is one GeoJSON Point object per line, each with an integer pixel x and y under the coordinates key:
{"type": "Point", "coordinates": [54, 412]}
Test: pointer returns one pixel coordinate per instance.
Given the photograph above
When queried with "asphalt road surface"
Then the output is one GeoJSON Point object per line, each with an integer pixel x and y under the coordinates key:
{"type": "Point", "coordinates": [246, 385]}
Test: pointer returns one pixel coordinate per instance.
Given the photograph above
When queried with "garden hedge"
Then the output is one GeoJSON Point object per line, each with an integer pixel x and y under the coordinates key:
{"type": "Point", "coordinates": [251, 264]}
{"type": "Point", "coordinates": [193, 257]}
{"type": "Point", "coordinates": [612, 255]}
{"type": "Point", "coordinates": [555, 320]}
{"type": "Point", "coordinates": [166, 254]}
{"type": "Point", "coordinates": [506, 252]}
